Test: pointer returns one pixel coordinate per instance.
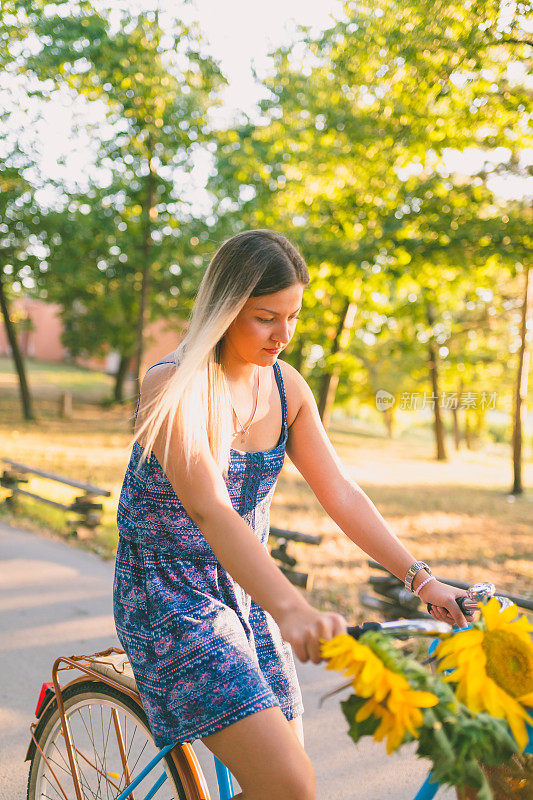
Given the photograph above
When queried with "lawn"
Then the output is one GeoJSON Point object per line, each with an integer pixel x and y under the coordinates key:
{"type": "Point", "coordinates": [457, 515]}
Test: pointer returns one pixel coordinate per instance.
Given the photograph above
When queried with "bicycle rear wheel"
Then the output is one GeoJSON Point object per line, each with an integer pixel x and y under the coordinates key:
{"type": "Point", "coordinates": [98, 716]}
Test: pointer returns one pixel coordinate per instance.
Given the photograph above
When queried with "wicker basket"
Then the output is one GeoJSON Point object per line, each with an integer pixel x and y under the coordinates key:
{"type": "Point", "coordinates": [512, 781]}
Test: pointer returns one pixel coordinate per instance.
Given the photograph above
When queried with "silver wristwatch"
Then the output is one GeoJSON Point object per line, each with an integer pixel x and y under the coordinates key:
{"type": "Point", "coordinates": [412, 571]}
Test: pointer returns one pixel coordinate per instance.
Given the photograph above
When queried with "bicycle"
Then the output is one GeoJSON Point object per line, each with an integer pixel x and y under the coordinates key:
{"type": "Point", "coordinates": [82, 730]}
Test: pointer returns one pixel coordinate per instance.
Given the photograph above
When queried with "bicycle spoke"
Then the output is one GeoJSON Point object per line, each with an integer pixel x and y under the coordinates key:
{"type": "Point", "coordinates": [138, 757]}
{"type": "Point", "coordinates": [104, 751]}
{"type": "Point", "coordinates": [97, 769]}
{"type": "Point", "coordinates": [66, 767]}
{"type": "Point", "coordinates": [110, 747]}
{"type": "Point", "coordinates": [96, 759]}
{"type": "Point", "coordinates": [47, 796]}
{"type": "Point", "coordinates": [105, 748]}
{"type": "Point", "coordinates": [83, 779]}
{"type": "Point", "coordinates": [131, 743]}
{"type": "Point", "coordinates": [93, 738]}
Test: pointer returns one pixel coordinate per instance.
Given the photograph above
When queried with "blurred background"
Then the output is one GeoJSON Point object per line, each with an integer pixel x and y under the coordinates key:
{"type": "Point", "coordinates": [392, 142]}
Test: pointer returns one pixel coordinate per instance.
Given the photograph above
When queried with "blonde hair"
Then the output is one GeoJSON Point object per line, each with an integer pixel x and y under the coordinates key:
{"type": "Point", "coordinates": [249, 264]}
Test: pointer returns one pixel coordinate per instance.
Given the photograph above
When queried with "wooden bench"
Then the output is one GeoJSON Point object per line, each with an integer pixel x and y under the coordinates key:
{"type": "Point", "coordinates": [88, 511]}
{"type": "Point", "coordinates": [288, 562]}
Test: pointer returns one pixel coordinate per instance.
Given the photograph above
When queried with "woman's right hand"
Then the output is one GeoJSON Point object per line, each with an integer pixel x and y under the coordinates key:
{"type": "Point", "coordinates": [303, 627]}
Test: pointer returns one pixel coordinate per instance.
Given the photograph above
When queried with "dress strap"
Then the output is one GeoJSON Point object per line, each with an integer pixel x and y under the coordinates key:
{"type": "Point", "coordinates": [281, 387]}
{"type": "Point", "coordinates": [153, 365]}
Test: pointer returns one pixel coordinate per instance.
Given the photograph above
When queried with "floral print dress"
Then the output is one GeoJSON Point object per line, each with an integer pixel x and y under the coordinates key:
{"type": "Point", "coordinates": [203, 653]}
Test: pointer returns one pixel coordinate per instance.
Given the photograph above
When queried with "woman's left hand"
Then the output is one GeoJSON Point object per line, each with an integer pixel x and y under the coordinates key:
{"type": "Point", "coordinates": [444, 608]}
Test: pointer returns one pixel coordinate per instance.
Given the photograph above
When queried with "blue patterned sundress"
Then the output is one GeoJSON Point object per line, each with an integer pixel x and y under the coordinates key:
{"type": "Point", "coordinates": [203, 653]}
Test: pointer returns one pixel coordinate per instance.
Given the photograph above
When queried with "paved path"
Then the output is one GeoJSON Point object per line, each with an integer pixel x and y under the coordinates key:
{"type": "Point", "coordinates": [56, 599]}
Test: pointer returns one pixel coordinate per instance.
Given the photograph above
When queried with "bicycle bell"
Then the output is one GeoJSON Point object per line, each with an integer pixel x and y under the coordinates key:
{"type": "Point", "coordinates": [481, 593]}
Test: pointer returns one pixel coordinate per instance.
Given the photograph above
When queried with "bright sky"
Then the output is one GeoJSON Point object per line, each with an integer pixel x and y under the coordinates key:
{"type": "Point", "coordinates": [237, 33]}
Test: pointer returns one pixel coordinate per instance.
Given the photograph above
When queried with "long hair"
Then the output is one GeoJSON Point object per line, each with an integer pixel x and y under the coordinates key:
{"type": "Point", "coordinates": [250, 264]}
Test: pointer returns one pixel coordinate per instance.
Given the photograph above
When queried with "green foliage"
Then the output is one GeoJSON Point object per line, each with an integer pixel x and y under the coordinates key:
{"type": "Point", "coordinates": [357, 730]}
{"type": "Point", "coordinates": [349, 159]}
{"type": "Point", "coordinates": [136, 230]}
{"type": "Point", "coordinates": [100, 298]}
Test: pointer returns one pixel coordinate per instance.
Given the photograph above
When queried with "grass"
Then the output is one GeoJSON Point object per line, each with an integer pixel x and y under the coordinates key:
{"type": "Point", "coordinates": [47, 380]}
{"type": "Point", "coordinates": [457, 515]}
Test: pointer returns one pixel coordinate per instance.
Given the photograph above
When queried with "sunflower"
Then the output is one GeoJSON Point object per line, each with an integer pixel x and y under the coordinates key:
{"type": "Point", "coordinates": [492, 666]}
{"type": "Point", "coordinates": [390, 697]}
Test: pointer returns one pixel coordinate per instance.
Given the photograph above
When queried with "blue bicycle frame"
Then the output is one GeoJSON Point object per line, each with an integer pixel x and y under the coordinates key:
{"type": "Point", "coordinates": [225, 785]}
{"type": "Point", "coordinates": [427, 791]}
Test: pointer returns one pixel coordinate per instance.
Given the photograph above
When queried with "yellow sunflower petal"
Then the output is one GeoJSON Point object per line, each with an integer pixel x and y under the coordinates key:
{"type": "Point", "coordinates": [397, 681]}
{"type": "Point", "coordinates": [517, 718]}
{"type": "Point", "coordinates": [496, 617]}
{"type": "Point", "coordinates": [394, 739]}
{"type": "Point", "coordinates": [423, 699]}
{"type": "Point", "coordinates": [464, 640]}
{"type": "Point", "coordinates": [414, 721]}
{"type": "Point", "coordinates": [521, 628]}
{"type": "Point", "coordinates": [495, 699]}
{"type": "Point", "coordinates": [366, 711]}
{"type": "Point", "coordinates": [384, 727]}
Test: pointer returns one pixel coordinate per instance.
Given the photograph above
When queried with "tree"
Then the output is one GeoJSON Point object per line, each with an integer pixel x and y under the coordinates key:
{"type": "Point", "coordinates": [19, 213]}
{"type": "Point", "coordinates": [521, 382]}
{"type": "Point", "coordinates": [158, 88]}
{"type": "Point", "coordinates": [19, 222]}
{"type": "Point", "coordinates": [348, 158]}
{"type": "Point", "coordinates": [99, 233]}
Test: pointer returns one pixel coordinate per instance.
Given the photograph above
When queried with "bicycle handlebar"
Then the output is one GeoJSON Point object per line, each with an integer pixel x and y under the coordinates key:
{"type": "Point", "coordinates": [426, 627]}
{"type": "Point", "coordinates": [465, 603]}
{"type": "Point", "coordinates": [402, 627]}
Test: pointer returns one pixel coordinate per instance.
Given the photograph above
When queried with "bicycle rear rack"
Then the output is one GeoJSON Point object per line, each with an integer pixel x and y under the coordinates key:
{"type": "Point", "coordinates": [183, 755]}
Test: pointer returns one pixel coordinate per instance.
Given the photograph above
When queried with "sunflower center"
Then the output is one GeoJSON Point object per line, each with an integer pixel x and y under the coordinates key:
{"type": "Point", "coordinates": [509, 662]}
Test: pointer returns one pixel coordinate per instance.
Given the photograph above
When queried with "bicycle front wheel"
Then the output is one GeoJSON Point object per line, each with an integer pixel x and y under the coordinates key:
{"type": "Point", "coordinates": [112, 744]}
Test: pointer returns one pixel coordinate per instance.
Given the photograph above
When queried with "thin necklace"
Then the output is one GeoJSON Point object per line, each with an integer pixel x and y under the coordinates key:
{"type": "Point", "coordinates": [244, 430]}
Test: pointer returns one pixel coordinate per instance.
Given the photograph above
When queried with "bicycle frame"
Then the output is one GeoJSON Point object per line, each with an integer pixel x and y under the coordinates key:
{"type": "Point", "coordinates": [183, 755]}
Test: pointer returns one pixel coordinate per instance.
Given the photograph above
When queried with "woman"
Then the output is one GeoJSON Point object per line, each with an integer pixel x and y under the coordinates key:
{"type": "Point", "coordinates": [205, 616]}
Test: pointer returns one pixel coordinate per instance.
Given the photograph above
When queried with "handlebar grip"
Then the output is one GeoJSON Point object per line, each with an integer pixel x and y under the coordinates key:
{"type": "Point", "coordinates": [464, 603]}
{"type": "Point", "coordinates": [357, 630]}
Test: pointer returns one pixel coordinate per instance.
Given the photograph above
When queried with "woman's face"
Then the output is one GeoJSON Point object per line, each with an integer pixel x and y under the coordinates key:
{"type": "Point", "coordinates": [265, 326]}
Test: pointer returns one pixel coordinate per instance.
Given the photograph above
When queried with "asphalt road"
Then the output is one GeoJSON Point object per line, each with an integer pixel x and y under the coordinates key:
{"type": "Point", "coordinates": [56, 600]}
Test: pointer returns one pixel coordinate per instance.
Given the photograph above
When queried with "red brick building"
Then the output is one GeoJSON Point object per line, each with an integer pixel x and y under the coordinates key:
{"type": "Point", "coordinates": [39, 336]}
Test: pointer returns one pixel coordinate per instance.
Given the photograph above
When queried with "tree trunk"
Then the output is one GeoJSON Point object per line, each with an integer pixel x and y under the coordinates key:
{"type": "Point", "coordinates": [468, 430]}
{"type": "Point", "coordinates": [440, 445]}
{"type": "Point", "coordinates": [455, 415]}
{"type": "Point", "coordinates": [146, 267]}
{"type": "Point", "coordinates": [25, 396]}
{"type": "Point", "coordinates": [330, 379]}
{"type": "Point", "coordinates": [521, 388]}
{"type": "Point", "coordinates": [434, 374]}
{"type": "Point", "coordinates": [120, 377]}
{"type": "Point", "coordinates": [298, 354]}
{"type": "Point", "coordinates": [456, 433]}
{"type": "Point", "coordinates": [389, 419]}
